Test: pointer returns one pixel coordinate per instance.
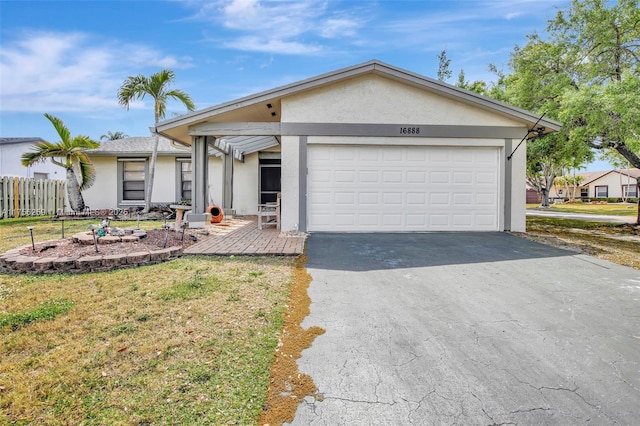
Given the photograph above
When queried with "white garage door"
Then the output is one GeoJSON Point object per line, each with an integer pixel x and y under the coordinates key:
{"type": "Point", "coordinates": [405, 188]}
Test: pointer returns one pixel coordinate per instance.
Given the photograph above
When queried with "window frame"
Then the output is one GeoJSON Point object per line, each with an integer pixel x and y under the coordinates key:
{"type": "Point", "coordinates": [180, 181]}
{"type": "Point", "coordinates": [121, 181]}
{"type": "Point", "coordinates": [625, 191]}
{"type": "Point", "coordinates": [606, 191]}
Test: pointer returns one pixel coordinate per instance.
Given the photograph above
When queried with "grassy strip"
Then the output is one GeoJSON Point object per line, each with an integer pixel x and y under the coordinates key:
{"type": "Point", "coordinates": [544, 221]}
{"type": "Point", "coordinates": [47, 310]}
{"type": "Point", "coordinates": [612, 209]}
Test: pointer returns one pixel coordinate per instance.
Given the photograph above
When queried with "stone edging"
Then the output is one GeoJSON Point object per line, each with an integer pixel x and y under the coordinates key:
{"type": "Point", "coordinates": [13, 262]}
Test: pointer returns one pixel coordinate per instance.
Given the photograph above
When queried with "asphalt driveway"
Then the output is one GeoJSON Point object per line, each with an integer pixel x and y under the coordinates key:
{"type": "Point", "coordinates": [469, 329]}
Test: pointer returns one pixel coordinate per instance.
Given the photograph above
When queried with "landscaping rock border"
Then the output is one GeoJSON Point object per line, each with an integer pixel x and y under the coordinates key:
{"type": "Point", "coordinates": [14, 262]}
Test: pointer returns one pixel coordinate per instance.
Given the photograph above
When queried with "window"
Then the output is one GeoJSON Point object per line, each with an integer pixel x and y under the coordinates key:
{"type": "Point", "coordinates": [269, 180]}
{"type": "Point", "coordinates": [629, 191]}
{"type": "Point", "coordinates": [602, 191]}
{"type": "Point", "coordinates": [132, 173]}
{"type": "Point", "coordinates": [584, 192]}
{"type": "Point", "coordinates": [40, 176]}
{"type": "Point", "coordinates": [184, 180]}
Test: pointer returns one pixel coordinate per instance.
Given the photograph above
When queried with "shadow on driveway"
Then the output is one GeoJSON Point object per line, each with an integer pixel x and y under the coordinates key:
{"type": "Point", "coordinates": [366, 252]}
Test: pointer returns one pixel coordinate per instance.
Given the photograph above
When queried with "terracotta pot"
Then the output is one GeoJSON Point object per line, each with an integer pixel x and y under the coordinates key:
{"type": "Point", "coordinates": [216, 214]}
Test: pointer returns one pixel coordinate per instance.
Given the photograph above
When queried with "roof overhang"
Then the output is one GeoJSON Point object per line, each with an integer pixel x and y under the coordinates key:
{"type": "Point", "coordinates": [265, 107]}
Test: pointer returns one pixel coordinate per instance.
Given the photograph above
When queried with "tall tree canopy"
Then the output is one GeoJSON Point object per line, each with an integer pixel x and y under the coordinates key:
{"type": "Point", "coordinates": [156, 86]}
{"type": "Point", "coordinates": [69, 154]}
{"type": "Point", "coordinates": [583, 72]}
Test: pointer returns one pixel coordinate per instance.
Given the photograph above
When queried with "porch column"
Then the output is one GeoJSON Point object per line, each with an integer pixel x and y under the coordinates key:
{"type": "Point", "coordinates": [199, 178]}
{"type": "Point", "coordinates": [227, 189]}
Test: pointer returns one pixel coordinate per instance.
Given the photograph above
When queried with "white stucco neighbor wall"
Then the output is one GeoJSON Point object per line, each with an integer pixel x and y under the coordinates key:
{"type": "Point", "coordinates": [374, 99]}
{"type": "Point", "coordinates": [11, 165]}
{"type": "Point", "coordinates": [104, 192]}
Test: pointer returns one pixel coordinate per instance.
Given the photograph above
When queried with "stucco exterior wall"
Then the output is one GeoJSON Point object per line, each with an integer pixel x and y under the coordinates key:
{"type": "Point", "coordinates": [374, 99]}
{"type": "Point", "coordinates": [104, 192]}
{"type": "Point", "coordinates": [518, 208]}
{"type": "Point", "coordinates": [245, 185]}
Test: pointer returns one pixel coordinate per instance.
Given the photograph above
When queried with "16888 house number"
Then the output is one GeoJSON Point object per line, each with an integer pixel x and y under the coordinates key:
{"type": "Point", "coordinates": [409, 130]}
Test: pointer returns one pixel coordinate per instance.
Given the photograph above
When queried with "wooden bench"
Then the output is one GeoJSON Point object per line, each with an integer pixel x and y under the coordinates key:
{"type": "Point", "coordinates": [269, 214]}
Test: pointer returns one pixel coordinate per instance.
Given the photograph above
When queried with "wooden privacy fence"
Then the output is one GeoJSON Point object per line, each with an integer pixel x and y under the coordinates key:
{"type": "Point", "coordinates": [21, 197]}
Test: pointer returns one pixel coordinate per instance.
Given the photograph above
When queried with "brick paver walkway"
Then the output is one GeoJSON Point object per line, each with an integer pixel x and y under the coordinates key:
{"type": "Point", "coordinates": [241, 236]}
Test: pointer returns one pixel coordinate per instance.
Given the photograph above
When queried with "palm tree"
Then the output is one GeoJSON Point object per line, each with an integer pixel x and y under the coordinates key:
{"type": "Point", "coordinates": [113, 136]}
{"type": "Point", "coordinates": [67, 153]}
{"type": "Point", "coordinates": [157, 87]}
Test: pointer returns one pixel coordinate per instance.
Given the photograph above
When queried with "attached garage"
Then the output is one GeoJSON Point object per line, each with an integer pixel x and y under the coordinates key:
{"type": "Point", "coordinates": [377, 188]}
{"type": "Point", "coordinates": [370, 148]}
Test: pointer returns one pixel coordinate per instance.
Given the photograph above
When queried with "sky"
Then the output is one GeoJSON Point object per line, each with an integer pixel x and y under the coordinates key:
{"type": "Point", "coordinates": [69, 58]}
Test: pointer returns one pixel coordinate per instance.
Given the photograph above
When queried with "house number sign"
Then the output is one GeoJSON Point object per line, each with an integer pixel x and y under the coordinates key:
{"type": "Point", "coordinates": [409, 131]}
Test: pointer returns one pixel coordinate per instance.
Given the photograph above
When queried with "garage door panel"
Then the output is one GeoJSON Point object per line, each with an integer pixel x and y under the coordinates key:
{"type": "Point", "coordinates": [402, 188]}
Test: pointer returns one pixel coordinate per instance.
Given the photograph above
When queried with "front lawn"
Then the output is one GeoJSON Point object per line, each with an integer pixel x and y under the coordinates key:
{"type": "Point", "coordinates": [189, 341]}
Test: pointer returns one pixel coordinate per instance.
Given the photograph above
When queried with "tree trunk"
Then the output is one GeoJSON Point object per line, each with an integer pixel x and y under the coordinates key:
{"type": "Point", "coordinates": [76, 201]}
{"type": "Point", "coordinates": [545, 197]}
{"type": "Point", "coordinates": [152, 172]}
{"type": "Point", "coordinates": [638, 194]}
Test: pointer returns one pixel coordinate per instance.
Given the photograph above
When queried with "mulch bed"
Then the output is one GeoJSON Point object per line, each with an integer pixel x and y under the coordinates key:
{"type": "Point", "coordinates": [155, 239]}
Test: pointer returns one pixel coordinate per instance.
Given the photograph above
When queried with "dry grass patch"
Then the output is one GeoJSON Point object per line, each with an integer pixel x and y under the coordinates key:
{"type": "Point", "coordinates": [612, 242]}
{"type": "Point", "coordinates": [189, 341]}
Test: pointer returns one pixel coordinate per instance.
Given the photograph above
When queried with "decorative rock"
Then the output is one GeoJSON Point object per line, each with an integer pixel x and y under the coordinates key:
{"type": "Point", "coordinates": [176, 251]}
{"type": "Point", "coordinates": [23, 263]}
{"type": "Point", "coordinates": [129, 239]}
{"type": "Point", "coordinates": [43, 264]}
{"type": "Point", "coordinates": [109, 239]}
{"type": "Point", "coordinates": [140, 234]}
{"type": "Point", "coordinates": [113, 260]}
{"type": "Point", "coordinates": [64, 264]}
{"type": "Point", "coordinates": [159, 255]}
{"type": "Point", "coordinates": [89, 262]}
{"type": "Point", "coordinates": [138, 257]}
{"type": "Point", "coordinates": [83, 238]}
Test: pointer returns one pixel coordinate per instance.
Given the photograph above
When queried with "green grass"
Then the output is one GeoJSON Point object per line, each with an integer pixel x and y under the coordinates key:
{"type": "Point", "coordinates": [47, 310]}
{"type": "Point", "coordinates": [190, 341]}
{"type": "Point", "coordinates": [612, 209]}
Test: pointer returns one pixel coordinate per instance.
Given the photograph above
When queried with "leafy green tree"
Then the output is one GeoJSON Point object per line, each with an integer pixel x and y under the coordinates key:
{"type": "Point", "coordinates": [603, 41]}
{"type": "Point", "coordinates": [444, 66]}
{"type": "Point", "coordinates": [156, 86]}
{"type": "Point", "coordinates": [113, 136]}
{"type": "Point", "coordinates": [69, 154]}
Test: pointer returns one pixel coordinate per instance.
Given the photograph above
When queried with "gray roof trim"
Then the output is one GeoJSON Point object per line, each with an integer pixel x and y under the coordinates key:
{"type": "Point", "coordinates": [138, 146]}
{"type": "Point", "coordinates": [10, 141]}
{"type": "Point", "coordinates": [352, 71]}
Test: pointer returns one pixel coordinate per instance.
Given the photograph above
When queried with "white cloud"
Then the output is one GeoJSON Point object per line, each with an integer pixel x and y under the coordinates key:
{"type": "Point", "coordinates": [277, 27]}
{"type": "Point", "coordinates": [51, 72]}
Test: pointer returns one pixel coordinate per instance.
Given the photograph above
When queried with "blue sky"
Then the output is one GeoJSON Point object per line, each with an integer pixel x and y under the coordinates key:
{"type": "Point", "coordinates": [68, 58]}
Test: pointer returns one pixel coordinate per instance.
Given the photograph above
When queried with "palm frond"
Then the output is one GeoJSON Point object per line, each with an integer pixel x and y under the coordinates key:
{"type": "Point", "coordinates": [41, 151]}
{"type": "Point", "coordinates": [85, 170]}
{"type": "Point", "coordinates": [134, 87]}
{"type": "Point", "coordinates": [182, 97]}
{"type": "Point", "coordinates": [61, 129]}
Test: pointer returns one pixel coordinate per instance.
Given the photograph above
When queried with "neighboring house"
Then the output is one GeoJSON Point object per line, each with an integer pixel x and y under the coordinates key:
{"type": "Point", "coordinates": [367, 148]}
{"type": "Point", "coordinates": [11, 150]}
{"type": "Point", "coordinates": [533, 196]}
{"type": "Point", "coordinates": [122, 168]}
{"type": "Point", "coordinates": [621, 183]}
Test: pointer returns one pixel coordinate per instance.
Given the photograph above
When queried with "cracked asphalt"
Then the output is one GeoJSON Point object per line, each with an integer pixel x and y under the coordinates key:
{"type": "Point", "coordinates": [468, 329]}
